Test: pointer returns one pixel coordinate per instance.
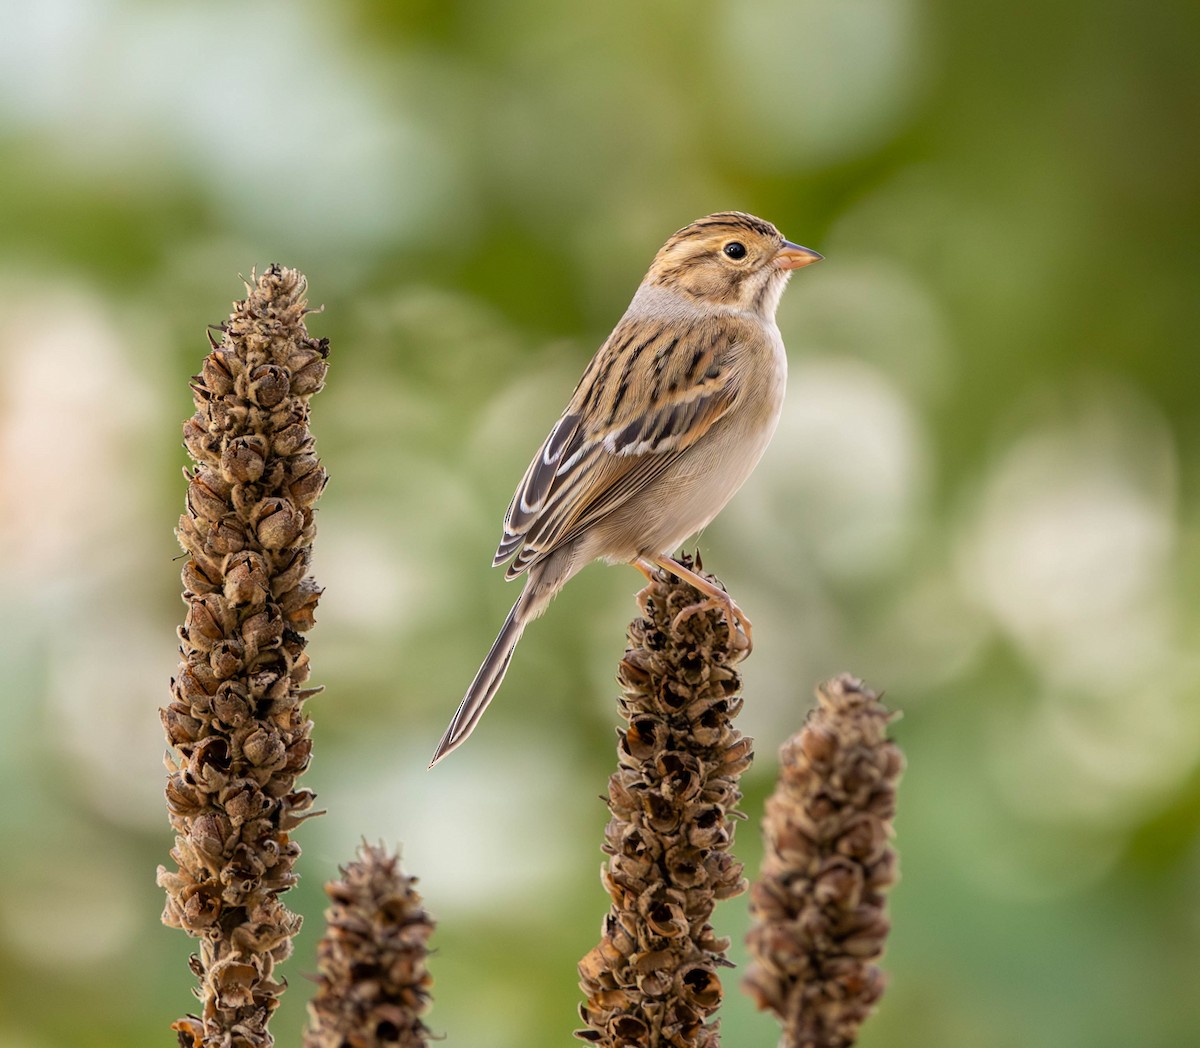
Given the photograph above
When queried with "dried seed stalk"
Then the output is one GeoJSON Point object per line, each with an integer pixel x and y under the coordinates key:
{"type": "Point", "coordinates": [652, 980]}
{"type": "Point", "coordinates": [819, 903]}
{"type": "Point", "coordinates": [236, 725]}
{"type": "Point", "coordinates": [373, 985]}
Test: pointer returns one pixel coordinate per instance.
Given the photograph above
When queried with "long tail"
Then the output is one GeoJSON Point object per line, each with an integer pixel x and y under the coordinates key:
{"type": "Point", "coordinates": [486, 683]}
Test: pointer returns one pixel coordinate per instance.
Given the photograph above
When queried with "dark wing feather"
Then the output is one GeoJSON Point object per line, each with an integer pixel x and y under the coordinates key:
{"type": "Point", "coordinates": [536, 485]}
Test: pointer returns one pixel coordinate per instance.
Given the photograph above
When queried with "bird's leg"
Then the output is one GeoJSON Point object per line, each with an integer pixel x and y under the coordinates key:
{"type": "Point", "coordinates": [645, 567]}
{"type": "Point", "coordinates": [717, 598]}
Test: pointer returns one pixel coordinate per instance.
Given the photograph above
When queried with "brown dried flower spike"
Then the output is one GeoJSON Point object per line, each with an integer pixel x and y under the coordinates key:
{"type": "Point", "coordinates": [819, 904]}
{"type": "Point", "coordinates": [652, 980]}
{"type": "Point", "coordinates": [373, 984]}
{"type": "Point", "coordinates": [237, 726]}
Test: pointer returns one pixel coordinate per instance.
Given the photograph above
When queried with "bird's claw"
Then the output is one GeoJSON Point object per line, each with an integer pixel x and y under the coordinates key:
{"type": "Point", "coordinates": [739, 625]}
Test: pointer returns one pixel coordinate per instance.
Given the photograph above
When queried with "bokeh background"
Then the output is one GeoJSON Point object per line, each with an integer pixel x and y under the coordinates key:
{"type": "Point", "coordinates": [984, 496]}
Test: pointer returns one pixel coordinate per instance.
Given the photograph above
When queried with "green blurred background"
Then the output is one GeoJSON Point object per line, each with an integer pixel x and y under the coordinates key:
{"type": "Point", "coordinates": [984, 496]}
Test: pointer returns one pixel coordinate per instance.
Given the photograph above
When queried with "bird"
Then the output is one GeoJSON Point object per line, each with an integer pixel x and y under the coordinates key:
{"type": "Point", "coordinates": [669, 419]}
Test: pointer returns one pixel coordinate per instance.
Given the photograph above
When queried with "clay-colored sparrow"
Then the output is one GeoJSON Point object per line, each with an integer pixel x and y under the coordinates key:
{"type": "Point", "coordinates": [668, 421]}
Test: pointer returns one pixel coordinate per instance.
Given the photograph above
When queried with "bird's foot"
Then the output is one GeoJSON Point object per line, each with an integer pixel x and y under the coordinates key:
{"type": "Point", "coordinates": [741, 631]}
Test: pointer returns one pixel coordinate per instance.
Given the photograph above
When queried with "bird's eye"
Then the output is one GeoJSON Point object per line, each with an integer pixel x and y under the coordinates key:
{"type": "Point", "coordinates": [735, 249]}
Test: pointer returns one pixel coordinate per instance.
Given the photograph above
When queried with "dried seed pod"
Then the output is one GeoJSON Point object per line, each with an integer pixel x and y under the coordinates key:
{"type": "Point", "coordinates": [652, 979]}
{"type": "Point", "coordinates": [244, 459]}
{"type": "Point", "coordinates": [277, 522]}
{"type": "Point", "coordinates": [305, 479]}
{"type": "Point", "coordinates": [247, 579]}
{"type": "Point", "coordinates": [237, 724]}
{"type": "Point", "coordinates": [819, 903]}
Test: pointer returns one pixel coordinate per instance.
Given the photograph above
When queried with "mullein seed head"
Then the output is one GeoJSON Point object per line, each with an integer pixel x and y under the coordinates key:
{"type": "Point", "coordinates": [373, 984]}
{"type": "Point", "coordinates": [819, 904]}
{"type": "Point", "coordinates": [236, 725]}
{"type": "Point", "coordinates": [652, 980]}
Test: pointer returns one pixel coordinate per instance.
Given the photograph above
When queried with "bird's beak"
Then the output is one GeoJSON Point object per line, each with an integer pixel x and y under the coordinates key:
{"type": "Point", "coordinates": [793, 256]}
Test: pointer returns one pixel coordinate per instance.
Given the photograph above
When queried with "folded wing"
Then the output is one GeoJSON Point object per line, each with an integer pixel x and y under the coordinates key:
{"type": "Point", "coordinates": [638, 407]}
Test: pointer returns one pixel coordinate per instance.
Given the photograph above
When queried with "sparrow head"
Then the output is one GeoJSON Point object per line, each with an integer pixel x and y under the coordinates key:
{"type": "Point", "coordinates": [729, 259]}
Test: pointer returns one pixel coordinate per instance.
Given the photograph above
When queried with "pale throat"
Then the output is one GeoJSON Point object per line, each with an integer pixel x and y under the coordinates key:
{"type": "Point", "coordinates": [661, 302]}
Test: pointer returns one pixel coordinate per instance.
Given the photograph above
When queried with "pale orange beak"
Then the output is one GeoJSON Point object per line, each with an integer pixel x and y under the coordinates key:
{"type": "Point", "coordinates": [793, 256]}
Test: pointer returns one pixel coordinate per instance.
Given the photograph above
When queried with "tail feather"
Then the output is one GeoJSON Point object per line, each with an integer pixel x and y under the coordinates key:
{"type": "Point", "coordinates": [485, 685]}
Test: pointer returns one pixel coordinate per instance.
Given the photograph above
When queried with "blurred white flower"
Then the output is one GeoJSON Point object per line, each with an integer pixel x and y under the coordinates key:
{"type": "Point", "coordinates": [510, 835]}
{"type": "Point", "coordinates": [841, 484]}
{"type": "Point", "coordinates": [73, 408]}
{"type": "Point", "coordinates": [1071, 548]}
{"type": "Point", "coordinates": [1070, 544]}
{"type": "Point", "coordinates": [74, 536]}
